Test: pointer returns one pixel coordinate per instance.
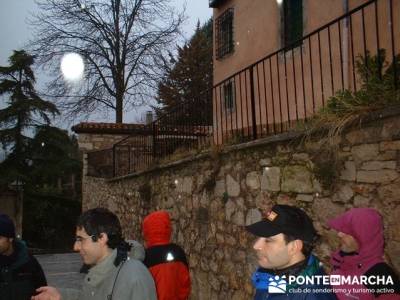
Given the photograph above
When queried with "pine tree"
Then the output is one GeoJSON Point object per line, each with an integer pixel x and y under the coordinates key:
{"type": "Point", "coordinates": [189, 76]}
{"type": "Point", "coordinates": [55, 158]}
{"type": "Point", "coordinates": [52, 198]}
{"type": "Point", "coordinates": [24, 110]}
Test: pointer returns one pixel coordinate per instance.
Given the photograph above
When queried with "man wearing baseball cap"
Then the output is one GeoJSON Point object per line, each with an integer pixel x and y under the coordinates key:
{"type": "Point", "coordinates": [286, 237]}
{"type": "Point", "coordinates": [20, 272]}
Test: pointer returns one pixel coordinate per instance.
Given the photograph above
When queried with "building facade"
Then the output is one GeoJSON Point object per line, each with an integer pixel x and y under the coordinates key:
{"type": "Point", "coordinates": [277, 62]}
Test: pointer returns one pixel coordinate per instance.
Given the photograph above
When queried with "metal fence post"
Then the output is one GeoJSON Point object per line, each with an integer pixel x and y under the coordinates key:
{"type": "Point", "coordinates": [253, 103]}
{"type": "Point", "coordinates": [154, 140]}
{"type": "Point", "coordinates": [129, 159]}
{"type": "Point", "coordinates": [114, 162]}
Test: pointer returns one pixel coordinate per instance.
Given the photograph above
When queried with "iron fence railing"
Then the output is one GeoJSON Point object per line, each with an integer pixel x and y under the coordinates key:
{"type": "Point", "coordinates": [182, 128]}
{"type": "Point", "coordinates": [185, 127]}
{"type": "Point", "coordinates": [290, 85]}
{"type": "Point", "coordinates": [268, 97]}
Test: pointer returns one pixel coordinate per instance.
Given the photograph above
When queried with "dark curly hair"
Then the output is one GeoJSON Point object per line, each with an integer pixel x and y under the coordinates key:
{"type": "Point", "coordinates": [100, 220]}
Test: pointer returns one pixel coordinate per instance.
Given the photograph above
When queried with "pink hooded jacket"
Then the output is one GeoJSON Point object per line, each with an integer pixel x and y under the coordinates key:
{"type": "Point", "coordinates": [365, 225]}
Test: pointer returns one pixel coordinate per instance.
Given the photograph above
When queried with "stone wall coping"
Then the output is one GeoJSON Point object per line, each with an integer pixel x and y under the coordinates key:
{"type": "Point", "coordinates": [99, 150]}
{"type": "Point", "coordinates": [282, 137]}
{"type": "Point", "coordinates": [110, 128]}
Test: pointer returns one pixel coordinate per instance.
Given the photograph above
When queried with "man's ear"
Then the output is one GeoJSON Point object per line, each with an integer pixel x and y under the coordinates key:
{"type": "Point", "coordinates": [299, 245]}
{"type": "Point", "coordinates": [103, 238]}
{"type": "Point", "coordinates": [296, 246]}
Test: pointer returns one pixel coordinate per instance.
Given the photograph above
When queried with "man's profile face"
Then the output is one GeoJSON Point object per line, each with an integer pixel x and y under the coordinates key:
{"type": "Point", "coordinates": [272, 252]}
{"type": "Point", "coordinates": [348, 243]}
{"type": "Point", "coordinates": [6, 245]}
{"type": "Point", "coordinates": [90, 251]}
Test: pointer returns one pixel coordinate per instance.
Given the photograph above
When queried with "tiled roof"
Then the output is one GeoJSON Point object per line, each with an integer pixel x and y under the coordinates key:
{"type": "Point", "coordinates": [111, 128]}
{"type": "Point", "coordinates": [140, 129]}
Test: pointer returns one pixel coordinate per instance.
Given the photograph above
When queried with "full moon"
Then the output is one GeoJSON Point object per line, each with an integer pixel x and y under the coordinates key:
{"type": "Point", "coordinates": [72, 66]}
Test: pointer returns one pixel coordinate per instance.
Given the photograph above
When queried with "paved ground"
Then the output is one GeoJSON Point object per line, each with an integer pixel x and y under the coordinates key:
{"type": "Point", "coordinates": [62, 270]}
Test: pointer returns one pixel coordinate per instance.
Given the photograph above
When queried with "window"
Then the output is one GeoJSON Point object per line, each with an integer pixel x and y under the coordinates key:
{"type": "Point", "coordinates": [292, 22]}
{"type": "Point", "coordinates": [224, 34]}
{"type": "Point", "coordinates": [229, 96]}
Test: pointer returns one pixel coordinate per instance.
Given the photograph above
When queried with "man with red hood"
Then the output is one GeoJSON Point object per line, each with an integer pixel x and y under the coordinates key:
{"type": "Point", "coordinates": [360, 257]}
{"type": "Point", "coordinates": [166, 261]}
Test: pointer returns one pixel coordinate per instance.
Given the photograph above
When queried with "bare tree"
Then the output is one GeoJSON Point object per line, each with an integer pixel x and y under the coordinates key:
{"type": "Point", "coordinates": [120, 41]}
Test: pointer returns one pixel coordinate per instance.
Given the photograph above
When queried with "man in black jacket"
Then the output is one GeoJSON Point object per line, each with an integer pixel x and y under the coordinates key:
{"type": "Point", "coordinates": [20, 272]}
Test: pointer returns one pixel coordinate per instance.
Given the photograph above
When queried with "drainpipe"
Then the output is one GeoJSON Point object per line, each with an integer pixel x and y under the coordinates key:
{"type": "Point", "coordinates": [345, 46]}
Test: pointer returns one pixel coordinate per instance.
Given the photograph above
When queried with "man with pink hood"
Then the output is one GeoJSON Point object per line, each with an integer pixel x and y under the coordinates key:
{"type": "Point", "coordinates": [360, 257]}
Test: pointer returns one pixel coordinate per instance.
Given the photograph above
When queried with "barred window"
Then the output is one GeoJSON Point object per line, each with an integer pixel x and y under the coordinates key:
{"type": "Point", "coordinates": [229, 96]}
{"type": "Point", "coordinates": [224, 34]}
{"type": "Point", "coordinates": [292, 22]}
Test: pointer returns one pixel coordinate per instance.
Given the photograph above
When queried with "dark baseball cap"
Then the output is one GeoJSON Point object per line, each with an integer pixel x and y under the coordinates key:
{"type": "Point", "coordinates": [7, 228]}
{"type": "Point", "coordinates": [285, 219]}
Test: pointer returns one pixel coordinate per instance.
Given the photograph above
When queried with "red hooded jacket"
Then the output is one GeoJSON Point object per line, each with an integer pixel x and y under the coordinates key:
{"type": "Point", "coordinates": [365, 225]}
{"type": "Point", "coordinates": [166, 261]}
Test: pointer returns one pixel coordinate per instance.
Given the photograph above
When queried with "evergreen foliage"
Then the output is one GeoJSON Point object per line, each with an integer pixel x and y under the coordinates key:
{"type": "Point", "coordinates": [188, 77]}
{"type": "Point", "coordinates": [54, 155]}
{"type": "Point", "coordinates": [52, 195]}
{"type": "Point", "coordinates": [47, 164]}
{"type": "Point", "coordinates": [378, 88]}
{"type": "Point", "coordinates": [24, 110]}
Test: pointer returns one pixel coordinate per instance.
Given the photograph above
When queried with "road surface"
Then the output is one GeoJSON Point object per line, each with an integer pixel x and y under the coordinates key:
{"type": "Point", "coordinates": [62, 270]}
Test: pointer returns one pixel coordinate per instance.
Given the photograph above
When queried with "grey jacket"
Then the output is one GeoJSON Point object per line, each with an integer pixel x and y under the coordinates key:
{"type": "Point", "coordinates": [137, 250]}
{"type": "Point", "coordinates": [129, 281]}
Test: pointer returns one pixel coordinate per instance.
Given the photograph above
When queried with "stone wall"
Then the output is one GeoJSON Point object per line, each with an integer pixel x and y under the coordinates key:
{"type": "Point", "coordinates": [91, 142]}
{"type": "Point", "coordinates": [212, 196]}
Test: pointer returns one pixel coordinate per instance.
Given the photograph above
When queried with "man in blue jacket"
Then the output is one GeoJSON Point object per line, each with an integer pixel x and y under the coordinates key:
{"type": "Point", "coordinates": [287, 268]}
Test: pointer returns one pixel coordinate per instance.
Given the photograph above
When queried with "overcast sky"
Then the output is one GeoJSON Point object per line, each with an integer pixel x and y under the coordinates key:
{"type": "Point", "coordinates": [14, 31]}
